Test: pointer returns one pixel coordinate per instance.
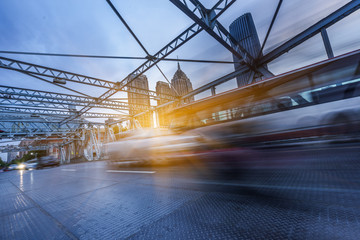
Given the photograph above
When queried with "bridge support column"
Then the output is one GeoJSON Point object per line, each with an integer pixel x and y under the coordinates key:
{"type": "Point", "coordinates": [327, 43]}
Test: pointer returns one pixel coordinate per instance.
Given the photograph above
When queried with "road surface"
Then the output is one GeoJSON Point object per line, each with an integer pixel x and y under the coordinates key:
{"type": "Point", "coordinates": [287, 193]}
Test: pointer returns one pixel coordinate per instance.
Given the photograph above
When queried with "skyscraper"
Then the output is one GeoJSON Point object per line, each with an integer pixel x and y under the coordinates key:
{"type": "Point", "coordinates": [181, 84]}
{"type": "Point", "coordinates": [244, 31]}
{"type": "Point", "coordinates": [138, 102]}
{"type": "Point", "coordinates": [163, 88]}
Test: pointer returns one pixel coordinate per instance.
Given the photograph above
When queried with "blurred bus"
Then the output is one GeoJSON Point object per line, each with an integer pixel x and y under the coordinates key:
{"type": "Point", "coordinates": [319, 101]}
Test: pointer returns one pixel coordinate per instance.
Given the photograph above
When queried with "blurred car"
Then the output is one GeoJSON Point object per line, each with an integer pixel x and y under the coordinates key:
{"type": "Point", "coordinates": [32, 164]}
{"type": "Point", "coordinates": [20, 166]}
{"type": "Point", "coordinates": [10, 167]}
{"type": "Point", "coordinates": [47, 161]}
{"type": "Point", "coordinates": [153, 146]}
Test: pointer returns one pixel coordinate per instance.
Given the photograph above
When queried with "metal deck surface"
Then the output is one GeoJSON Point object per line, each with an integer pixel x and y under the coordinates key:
{"type": "Point", "coordinates": [279, 194]}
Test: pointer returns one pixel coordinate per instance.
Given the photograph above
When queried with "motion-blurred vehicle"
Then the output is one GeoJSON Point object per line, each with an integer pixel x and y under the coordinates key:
{"type": "Point", "coordinates": [153, 146]}
{"type": "Point", "coordinates": [32, 164]}
{"type": "Point", "coordinates": [20, 166]}
{"type": "Point", "coordinates": [47, 161]}
{"type": "Point", "coordinates": [316, 102]}
{"type": "Point", "coordinates": [10, 167]}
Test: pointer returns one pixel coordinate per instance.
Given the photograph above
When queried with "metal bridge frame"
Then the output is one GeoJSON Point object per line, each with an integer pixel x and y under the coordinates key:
{"type": "Point", "coordinates": [318, 27]}
{"type": "Point", "coordinates": [58, 119]}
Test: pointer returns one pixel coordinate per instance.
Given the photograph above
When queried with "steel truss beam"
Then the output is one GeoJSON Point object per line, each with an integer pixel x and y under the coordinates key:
{"type": "Point", "coordinates": [6, 117]}
{"type": "Point", "coordinates": [13, 148]}
{"type": "Point", "coordinates": [324, 23]}
{"type": "Point", "coordinates": [35, 128]}
{"type": "Point", "coordinates": [20, 128]}
{"type": "Point", "coordinates": [40, 120]}
{"type": "Point", "coordinates": [28, 97]}
{"type": "Point", "coordinates": [38, 70]}
{"type": "Point", "coordinates": [42, 104]}
{"type": "Point", "coordinates": [114, 57]}
{"type": "Point", "coordinates": [207, 20]}
{"type": "Point", "coordinates": [55, 113]}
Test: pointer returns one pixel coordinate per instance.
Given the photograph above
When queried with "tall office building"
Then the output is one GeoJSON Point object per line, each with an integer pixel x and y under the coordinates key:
{"type": "Point", "coordinates": [244, 31]}
{"type": "Point", "coordinates": [182, 84]}
{"type": "Point", "coordinates": [162, 89]}
{"type": "Point", "coordinates": [11, 156]}
{"type": "Point", "coordinates": [139, 103]}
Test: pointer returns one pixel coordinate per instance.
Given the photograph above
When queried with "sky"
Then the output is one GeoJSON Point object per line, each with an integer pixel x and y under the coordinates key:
{"type": "Point", "coordinates": [91, 27]}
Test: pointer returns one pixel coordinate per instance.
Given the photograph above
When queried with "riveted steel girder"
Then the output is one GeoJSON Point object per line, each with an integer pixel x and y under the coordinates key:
{"type": "Point", "coordinates": [25, 97]}
{"type": "Point", "coordinates": [12, 128]}
{"type": "Point", "coordinates": [57, 113]}
{"type": "Point", "coordinates": [38, 70]}
{"type": "Point", "coordinates": [311, 31]}
{"type": "Point", "coordinates": [207, 20]}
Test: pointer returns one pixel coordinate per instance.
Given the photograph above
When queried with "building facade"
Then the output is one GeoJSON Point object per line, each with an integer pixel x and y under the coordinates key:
{"type": "Point", "coordinates": [244, 31]}
{"type": "Point", "coordinates": [163, 88]}
{"type": "Point", "coordinates": [181, 85]}
{"type": "Point", "coordinates": [11, 156]}
{"type": "Point", "coordinates": [139, 103]}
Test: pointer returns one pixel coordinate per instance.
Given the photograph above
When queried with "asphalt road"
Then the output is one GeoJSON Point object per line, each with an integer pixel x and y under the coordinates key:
{"type": "Point", "coordinates": [287, 193]}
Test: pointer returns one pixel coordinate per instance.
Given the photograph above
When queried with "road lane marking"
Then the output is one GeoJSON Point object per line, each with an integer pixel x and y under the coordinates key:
{"type": "Point", "coordinates": [68, 170]}
{"type": "Point", "coordinates": [121, 171]}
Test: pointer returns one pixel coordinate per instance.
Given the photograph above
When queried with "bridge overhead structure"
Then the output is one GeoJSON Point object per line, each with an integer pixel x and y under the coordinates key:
{"type": "Point", "coordinates": [35, 127]}
{"type": "Point", "coordinates": [34, 112]}
{"type": "Point", "coordinates": [56, 76]}
{"type": "Point", "coordinates": [196, 11]}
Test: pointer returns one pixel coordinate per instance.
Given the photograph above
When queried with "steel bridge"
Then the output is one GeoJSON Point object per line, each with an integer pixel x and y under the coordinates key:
{"type": "Point", "coordinates": [30, 114]}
